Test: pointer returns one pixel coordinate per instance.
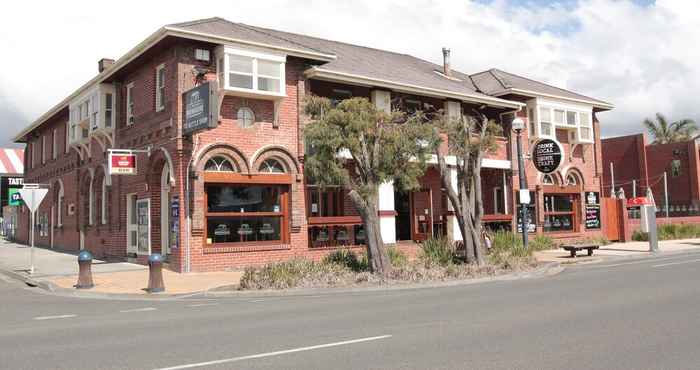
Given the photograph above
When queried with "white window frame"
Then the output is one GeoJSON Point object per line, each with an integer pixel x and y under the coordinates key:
{"type": "Point", "coordinates": [59, 206]}
{"type": "Point", "coordinates": [54, 144]}
{"type": "Point", "coordinates": [160, 88]}
{"type": "Point", "coordinates": [43, 148]}
{"type": "Point", "coordinates": [103, 200]}
{"type": "Point", "coordinates": [129, 104]}
{"type": "Point", "coordinates": [566, 108]}
{"type": "Point", "coordinates": [223, 56]}
{"type": "Point", "coordinates": [109, 123]}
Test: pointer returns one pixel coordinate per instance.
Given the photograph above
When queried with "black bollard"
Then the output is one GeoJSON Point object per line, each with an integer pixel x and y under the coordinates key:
{"type": "Point", "coordinates": [84, 271]}
{"type": "Point", "coordinates": [155, 276]}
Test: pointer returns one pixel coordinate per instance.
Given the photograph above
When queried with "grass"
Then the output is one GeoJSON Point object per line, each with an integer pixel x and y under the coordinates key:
{"type": "Point", "coordinates": [437, 252]}
{"type": "Point", "coordinates": [670, 232]}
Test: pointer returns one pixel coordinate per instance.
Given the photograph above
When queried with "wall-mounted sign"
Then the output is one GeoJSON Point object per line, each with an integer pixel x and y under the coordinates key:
{"type": "Point", "coordinates": [592, 197]}
{"type": "Point", "coordinates": [174, 222]}
{"type": "Point", "coordinates": [592, 210]}
{"type": "Point", "coordinates": [122, 163]}
{"type": "Point", "coordinates": [15, 181]}
{"type": "Point", "coordinates": [14, 197]}
{"type": "Point", "coordinates": [547, 155]}
{"type": "Point", "coordinates": [201, 108]}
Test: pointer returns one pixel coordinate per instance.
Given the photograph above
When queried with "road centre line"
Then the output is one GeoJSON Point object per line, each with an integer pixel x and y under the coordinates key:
{"type": "Point", "coordinates": [139, 310]}
{"type": "Point", "coordinates": [276, 353]}
{"type": "Point", "coordinates": [676, 263]}
{"type": "Point", "coordinates": [54, 317]}
{"type": "Point", "coordinates": [652, 260]}
{"type": "Point", "coordinates": [202, 304]}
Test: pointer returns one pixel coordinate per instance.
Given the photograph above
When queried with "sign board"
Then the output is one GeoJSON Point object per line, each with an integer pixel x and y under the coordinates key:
{"type": "Point", "coordinates": [592, 209]}
{"type": "Point", "coordinates": [15, 181]}
{"type": "Point", "coordinates": [639, 201]}
{"type": "Point", "coordinates": [13, 197]}
{"type": "Point", "coordinates": [174, 222]}
{"type": "Point", "coordinates": [524, 196]}
{"type": "Point", "coordinates": [531, 211]}
{"type": "Point", "coordinates": [32, 197]}
{"type": "Point", "coordinates": [547, 155]}
{"type": "Point", "coordinates": [201, 108]}
{"type": "Point", "coordinates": [592, 197]}
{"type": "Point", "coordinates": [122, 163]}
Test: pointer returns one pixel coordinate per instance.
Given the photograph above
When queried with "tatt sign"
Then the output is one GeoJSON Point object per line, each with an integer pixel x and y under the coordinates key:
{"type": "Point", "coordinates": [547, 155]}
{"type": "Point", "coordinates": [122, 164]}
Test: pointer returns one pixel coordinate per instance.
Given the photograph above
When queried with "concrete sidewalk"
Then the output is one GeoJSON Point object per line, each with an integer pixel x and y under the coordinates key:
{"type": "Point", "coordinates": [59, 269]}
{"type": "Point", "coordinates": [616, 250]}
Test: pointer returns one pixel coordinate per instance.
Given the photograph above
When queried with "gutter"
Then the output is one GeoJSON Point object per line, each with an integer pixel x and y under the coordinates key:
{"type": "Point", "coordinates": [323, 74]}
{"type": "Point", "coordinates": [597, 104]}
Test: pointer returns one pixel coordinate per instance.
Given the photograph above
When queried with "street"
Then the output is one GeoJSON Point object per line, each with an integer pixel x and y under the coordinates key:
{"type": "Point", "coordinates": [620, 314]}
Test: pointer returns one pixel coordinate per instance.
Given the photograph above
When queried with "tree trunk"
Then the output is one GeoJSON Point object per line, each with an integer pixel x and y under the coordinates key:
{"type": "Point", "coordinates": [377, 255]}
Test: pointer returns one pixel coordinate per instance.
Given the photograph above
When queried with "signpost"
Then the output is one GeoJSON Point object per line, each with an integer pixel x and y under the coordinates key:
{"type": "Point", "coordinates": [200, 108]}
{"type": "Point", "coordinates": [547, 155]}
{"type": "Point", "coordinates": [32, 195]}
{"type": "Point", "coordinates": [518, 125]}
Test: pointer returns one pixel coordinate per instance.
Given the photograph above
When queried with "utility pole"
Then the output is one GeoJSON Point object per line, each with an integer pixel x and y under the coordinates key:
{"type": "Point", "coordinates": [518, 125]}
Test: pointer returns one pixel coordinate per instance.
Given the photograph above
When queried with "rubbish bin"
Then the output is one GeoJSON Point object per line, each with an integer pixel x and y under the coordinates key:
{"type": "Point", "coordinates": [84, 271]}
{"type": "Point", "coordinates": [155, 276]}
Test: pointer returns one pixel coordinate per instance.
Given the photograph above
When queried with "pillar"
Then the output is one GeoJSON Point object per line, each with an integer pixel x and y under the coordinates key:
{"type": "Point", "coordinates": [453, 110]}
{"type": "Point", "coordinates": [387, 210]}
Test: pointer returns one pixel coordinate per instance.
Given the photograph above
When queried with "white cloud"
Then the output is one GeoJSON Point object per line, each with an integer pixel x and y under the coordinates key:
{"type": "Point", "coordinates": [642, 59]}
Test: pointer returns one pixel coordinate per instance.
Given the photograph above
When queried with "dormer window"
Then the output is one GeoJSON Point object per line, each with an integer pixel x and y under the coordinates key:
{"type": "Point", "coordinates": [251, 73]}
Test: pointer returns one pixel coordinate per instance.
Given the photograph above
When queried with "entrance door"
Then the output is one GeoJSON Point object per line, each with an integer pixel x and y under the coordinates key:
{"type": "Point", "coordinates": [143, 218]}
{"type": "Point", "coordinates": [165, 211]}
{"type": "Point", "coordinates": [131, 225]}
{"type": "Point", "coordinates": [402, 202]}
{"type": "Point", "coordinates": [422, 215]}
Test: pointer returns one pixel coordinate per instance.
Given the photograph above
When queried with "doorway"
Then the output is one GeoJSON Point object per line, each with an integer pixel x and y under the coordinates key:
{"type": "Point", "coordinates": [131, 225]}
{"type": "Point", "coordinates": [402, 205]}
{"type": "Point", "coordinates": [165, 211]}
{"type": "Point", "coordinates": [422, 207]}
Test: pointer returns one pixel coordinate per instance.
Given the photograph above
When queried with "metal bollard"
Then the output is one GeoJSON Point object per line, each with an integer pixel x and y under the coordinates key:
{"type": "Point", "coordinates": [84, 271]}
{"type": "Point", "coordinates": [155, 276]}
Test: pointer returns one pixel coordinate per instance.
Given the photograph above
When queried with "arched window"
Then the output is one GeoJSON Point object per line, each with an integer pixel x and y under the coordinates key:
{"type": "Point", "coordinates": [59, 204]}
{"type": "Point", "coordinates": [571, 180]}
{"type": "Point", "coordinates": [271, 166]}
{"type": "Point", "coordinates": [246, 117]}
{"type": "Point", "coordinates": [548, 180]}
{"type": "Point", "coordinates": [219, 164]}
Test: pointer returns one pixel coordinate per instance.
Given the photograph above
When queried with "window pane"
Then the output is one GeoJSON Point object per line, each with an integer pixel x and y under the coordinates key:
{"type": "Point", "coordinates": [558, 116]}
{"type": "Point", "coordinates": [558, 203]}
{"type": "Point", "coordinates": [585, 133]}
{"type": "Point", "coordinates": [270, 69]}
{"type": "Point", "coordinates": [558, 223]}
{"type": "Point", "coordinates": [545, 115]}
{"type": "Point", "coordinates": [242, 81]}
{"type": "Point", "coordinates": [244, 198]}
{"type": "Point", "coordinates": [237, 63]}
{"type": "Point", "coordinates": [243, 229]}
{"type": "Point", "coordinates": [585, 119]}
{"type": "Point", "coordinates": [546, 129]}
{"type": "Point", "coordinates": [268, 84]}
{"type": "Point", "coordinates": [571, 118]}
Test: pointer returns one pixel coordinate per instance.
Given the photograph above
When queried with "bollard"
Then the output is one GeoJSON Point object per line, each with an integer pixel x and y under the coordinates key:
{"type": "Point", "coordinates": [155, 276]}
{"type": "Point", "coordinates": [84, 271]}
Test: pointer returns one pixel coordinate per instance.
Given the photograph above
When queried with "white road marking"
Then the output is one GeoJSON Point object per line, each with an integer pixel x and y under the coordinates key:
{"type": "Point", "coordinates": [276, 353]}
{"type": "Point", "coordinates": [139, 310]}
{"type": "Point", "coordinates": [202, 304]}
{"type": "Point", "coordinates": [636, 262]}
{"type": "Point", "coordinates": [54, 317]}
{"type": "Point", "coordinates": [676, 263]}
{"type": "Point", "coordinates": [257, 300]}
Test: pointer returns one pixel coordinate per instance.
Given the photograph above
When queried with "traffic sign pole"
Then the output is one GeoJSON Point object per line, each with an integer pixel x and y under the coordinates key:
{"type": "Point", "coordinates": [32, 195]}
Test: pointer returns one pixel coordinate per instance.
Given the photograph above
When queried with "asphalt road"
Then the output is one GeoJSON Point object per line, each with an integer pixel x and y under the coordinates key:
{"type": "Point", "coordinates": [628, 314]}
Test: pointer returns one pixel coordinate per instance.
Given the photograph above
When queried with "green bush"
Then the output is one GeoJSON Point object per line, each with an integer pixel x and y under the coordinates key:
{"type": "Point", "coordinates": [397, 257]}
{"type": "Point", "coordinates": [640, 236]}
{"type": "Point", "coordinates": [437, 252]}
{"type": "Point", "coordinates": [599, 240]}
{"type": "Point", "coordinates": [507, 249]}
{"type": "Point", "coordinates": [280, 275]}
{"type": "Point", "coordinates": [505, 240]}
{"type": "Point", "coordinates": [670, 232]}
{"type": "Point", "coordinates": [541, 242]}
{"type": "Point", "coordinates": [347, 258]}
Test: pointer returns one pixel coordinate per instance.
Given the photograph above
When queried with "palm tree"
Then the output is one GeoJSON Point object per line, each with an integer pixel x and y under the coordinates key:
{"type": "Point", "coordinates": [664, 133]}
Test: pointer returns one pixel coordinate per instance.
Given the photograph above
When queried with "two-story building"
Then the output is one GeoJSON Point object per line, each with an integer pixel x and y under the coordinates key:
{"type": "Point", "coordinates": [234, 193]}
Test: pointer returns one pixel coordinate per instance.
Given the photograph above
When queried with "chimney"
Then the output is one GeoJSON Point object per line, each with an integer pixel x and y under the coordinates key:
{"type": "Point", "coordinates": [446, 62]}
{"type": "Point", "coordinates": [104, 63]}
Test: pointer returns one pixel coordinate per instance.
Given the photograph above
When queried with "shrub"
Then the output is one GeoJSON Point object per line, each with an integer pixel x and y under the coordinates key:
{"type": "Point", "coordinates": [507, 250]}
{"type": "Point", "coordinates": [347, 258]}
{"type": "Point", "coordinates": [397, 257]}
{"type": "Point", "coordinates": [670, 232]}
{"type": "Point", "coordinates": [541, 242]}
{"type": "Point", "coordinates": [599, 240]}
{"type": "Point", "coordinates": [640, 236]}
{"type": "Point", "coordinates": [503, 240]}
{"type": "Point", "coordinates": [295, 273]}
{"type": "Point", "coordinates": [437, 252]}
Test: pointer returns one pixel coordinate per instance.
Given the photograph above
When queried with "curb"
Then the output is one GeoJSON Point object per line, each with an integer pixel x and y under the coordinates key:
{"type": "Point", "coordinates": [548, 269]}
{"type": "Point", "coordinates": [45, 285]}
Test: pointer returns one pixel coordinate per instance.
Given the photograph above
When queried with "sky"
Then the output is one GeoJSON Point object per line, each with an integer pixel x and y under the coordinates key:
{"type": "Point", "coordinates": [640, 55]}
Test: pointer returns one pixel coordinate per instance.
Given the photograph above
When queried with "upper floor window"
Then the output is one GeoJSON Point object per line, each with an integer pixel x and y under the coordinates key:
{"type": "Point", "coordinates": [43, 148]}
{"type": "Point", "coordinates": [245, 117]}
{"type": "Point", "coordinates": [54, 144]}
{"type": "Point", "coordinates": [573, 119]}
{"type": "Point", "coordinates": [130, 104]}
{"type": "Point", "coordinates": [160, 87]}
{"type": "Point", "coordinates": [676, 168]}
{"type": "Point", "coordinates": [244, 70]}
{"type": "Point", "coordinates": [109, 106]}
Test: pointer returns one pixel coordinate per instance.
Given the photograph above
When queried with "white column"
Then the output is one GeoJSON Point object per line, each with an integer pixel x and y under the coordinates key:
{"type": "Point", "coordinates": [382, 100]}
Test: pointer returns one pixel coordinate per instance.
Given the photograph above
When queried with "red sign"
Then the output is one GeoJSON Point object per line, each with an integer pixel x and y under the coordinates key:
{"type": "Point", "coordinates": [638, 201]}
{"type": "Point", "coordinates": [122, 164]}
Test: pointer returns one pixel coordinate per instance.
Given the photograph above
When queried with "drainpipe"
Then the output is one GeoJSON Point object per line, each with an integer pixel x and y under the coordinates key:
{"type": "Point", "coordinates": [188, 253]}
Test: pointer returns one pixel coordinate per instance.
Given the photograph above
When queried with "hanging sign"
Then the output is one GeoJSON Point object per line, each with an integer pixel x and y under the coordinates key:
{"type": "Point", "coordinates": [201, 108]}
{"type": "Point", "coordinates": [122, 163]}
{"type": "Point", "coordinates": [547, 155]}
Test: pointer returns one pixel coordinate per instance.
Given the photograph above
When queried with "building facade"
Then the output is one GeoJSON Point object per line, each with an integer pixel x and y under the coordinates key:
{"type": "Point", "coordinates": [234, 193]}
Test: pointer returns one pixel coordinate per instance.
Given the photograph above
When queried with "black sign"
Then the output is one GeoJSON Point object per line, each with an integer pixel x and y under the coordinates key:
{"type": "Point", "coordinates": [592, 197]}
{"type": "Point", "coordinates": [547, 155]}
{"type": "Point", "coordinates": [200, 109]}
{"type": "Point", "coordinates": [592, 216]}
{"type": "Point", "coordinates": [531, 214]}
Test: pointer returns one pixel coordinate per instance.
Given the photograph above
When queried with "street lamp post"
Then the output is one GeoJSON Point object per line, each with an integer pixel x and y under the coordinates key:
{"type": "Point", "coordinates": [518, 125]}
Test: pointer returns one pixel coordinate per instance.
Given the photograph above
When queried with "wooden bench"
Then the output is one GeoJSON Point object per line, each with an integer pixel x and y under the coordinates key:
{"type": "Point", "coordinates": [573, 248]}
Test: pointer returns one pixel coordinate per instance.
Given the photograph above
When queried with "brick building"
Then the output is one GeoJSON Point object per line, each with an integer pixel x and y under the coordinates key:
{"type": "Point", "coordinates": [638, 165]}
{"type": "Point", "coordinates": [235, 194]}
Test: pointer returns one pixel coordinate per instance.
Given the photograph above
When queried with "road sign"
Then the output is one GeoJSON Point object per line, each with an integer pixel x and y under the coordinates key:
{"type": "Point", "coordinates": [32, 197]}
{"type": "Point", "coordinates": [547, 155]}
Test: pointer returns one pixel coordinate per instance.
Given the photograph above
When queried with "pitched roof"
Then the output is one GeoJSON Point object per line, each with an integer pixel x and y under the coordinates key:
{"type": "Point", "coordinates": [497, 82]}
{"type": "Point", "coordinates": [350, 60]}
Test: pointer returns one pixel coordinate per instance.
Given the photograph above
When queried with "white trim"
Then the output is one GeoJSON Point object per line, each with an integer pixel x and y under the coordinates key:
{"type": "Point", "coordinates": [43, 148]}
{"type": "Point", "coordinates": [148, 227]}
{"type": "Point", "coordinates": [131, 244]}
{"type": "Point", "coordinates": [322, 74]}
{"type": "Point", "coordinates": [129, 108]}
{"type": "Point", "coordinates": [496, 163]}
{"type": "Point", "coordinates": [602, 105]}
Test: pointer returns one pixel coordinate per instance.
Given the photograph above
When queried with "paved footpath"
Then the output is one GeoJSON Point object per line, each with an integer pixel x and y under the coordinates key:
{"type": "Point", "coordinates": [634, 313]}
{"type": "Point", "coordinates": [619, 250]}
